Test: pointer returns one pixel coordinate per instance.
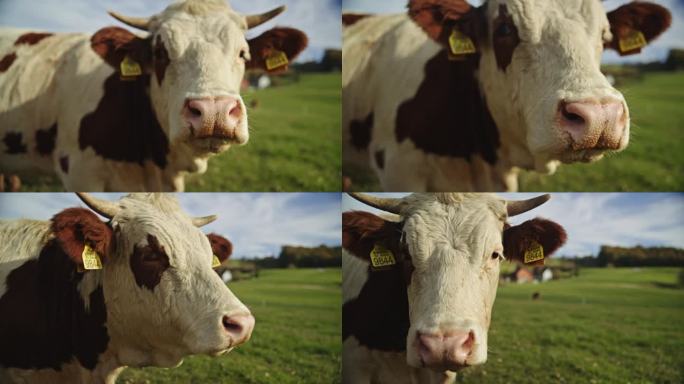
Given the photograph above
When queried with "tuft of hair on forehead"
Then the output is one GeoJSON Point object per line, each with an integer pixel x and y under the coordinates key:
{"type": "Point", "coordinates": [164, 201]}
{"type": "Point", "coordinates": [199, 7]}
{"type": "Point", "coordinates": [455, 198]}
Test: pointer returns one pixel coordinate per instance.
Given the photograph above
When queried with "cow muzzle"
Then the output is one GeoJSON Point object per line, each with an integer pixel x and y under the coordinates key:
{"type": "Point", "coordinates": [215, 118]}
{"type": "Point", "coordinates": [238, 328]}
{"type": "Point", "coordinates": [593, 127]}
{"type": "Point", "coordinates": [450, 350]}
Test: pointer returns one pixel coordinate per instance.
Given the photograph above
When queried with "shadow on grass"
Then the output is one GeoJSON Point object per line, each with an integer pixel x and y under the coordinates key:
{"type": "Point", "coordinates": [660, 284]}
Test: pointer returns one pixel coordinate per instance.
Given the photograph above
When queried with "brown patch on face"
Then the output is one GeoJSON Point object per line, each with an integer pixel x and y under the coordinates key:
{"type": "Point", "coordinates": [434, 15]}
{"type": "Point", "coordinates": [31, 38]}
{"type": "Point", "coordinates": [45, 140]}
{"type": "Point", "coordinates": [148, 263]}
{"type": "Point", "coordinates": [7, 61]}
{"type": "Point", "coordinates": [380, 159]}
{"type": "Point", "coordinates": [221, 246]}
{"type": "Point", "coordinates": [352, 18]}
{"type": "Point", "coordinates": [288, 40]}
{"type": "Point", "coordinates": [161, 60]}
{"type": "Point", "coordinates": [361, 132]}
{"type": "Point", "coordinates": [517, 239]}
{"type": "Point", "coordinates": [64, 164]}
{"type": "Point", "coordinates": [114, 43]}
{"type": "Point", "coordinates": [651, 19]}
{"type": "Point", "coordinates": [362, 230]}
{"type": "Point", "coordinates": [448, 115]}
{"type": "Point", "coordinates": [44, 322]}
{"type": "Point", "coordinates": [124, 126]}
{"type": "Point", "coordinates": [505, 38]}
{"type": "Point", "coordinates": [75, 227]}
{"type": "Point", "coordinates": [13, 143]}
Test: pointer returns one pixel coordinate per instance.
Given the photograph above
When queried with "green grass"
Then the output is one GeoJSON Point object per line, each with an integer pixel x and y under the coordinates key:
{"type": "Point", "coordinates": [297, 337]}
{"type": "Point", "coordinates": [295, 144]}
{"type": "Point", "coordinates": [653, 161]}
{"type": "Point", "coordinates": [618, 325]}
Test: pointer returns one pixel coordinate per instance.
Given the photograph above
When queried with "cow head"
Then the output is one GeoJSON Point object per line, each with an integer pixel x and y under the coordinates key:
{"type": "Point", "coordinates": [539, 69]}
{"type": "Point", "coordinates": [451, 246]}
{"type": "Point", "coordinates": [163, 299]}
{"type": "Point", "coordinates": [196, 54]}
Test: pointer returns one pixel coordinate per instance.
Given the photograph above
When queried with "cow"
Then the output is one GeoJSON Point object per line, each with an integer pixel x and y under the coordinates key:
{"type": "Point", "coordinates": [421, 312]}
{"type": "Point", "coordinates": [114, 111]}
{"type": "Point", "coordinates": [80, 299]}
{"type": "Point", "coordinates": [450, 97]}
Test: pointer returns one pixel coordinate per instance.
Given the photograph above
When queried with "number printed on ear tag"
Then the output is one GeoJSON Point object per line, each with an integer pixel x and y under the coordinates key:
{"type": "Point", "coordinates": [460, 44]}
{"type": "Point", "coordinates": [634, 40]}
{"type": "Point", "coordinates": [91, 260]}
{"type": "Point", "coordinates": [534, 253]}
{"type": "Point", "coordinates": [130, 67]}
{"type": "Point", "coordinates": [276, 60]}
{"type": "Point", "coordinates": [381, 257]}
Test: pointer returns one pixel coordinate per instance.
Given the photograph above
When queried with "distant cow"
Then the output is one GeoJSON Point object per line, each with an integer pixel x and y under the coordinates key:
{"type": "Point", "coordinates": [455, 98]}
{"type": "Point", "coordinates": [154, 300]}
{"type": "Point", "coordinates": [424, 310]}
{"type": "Point", "coordinates": [120, 112]}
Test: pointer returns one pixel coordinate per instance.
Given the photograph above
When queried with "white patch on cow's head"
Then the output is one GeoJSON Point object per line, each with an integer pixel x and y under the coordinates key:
{"type": "Point", "coordinates": [159, 318]}
{"type": "Point", "coordinates": [451, 239]}
{"type": "Point", "coordinates": [552, 78]}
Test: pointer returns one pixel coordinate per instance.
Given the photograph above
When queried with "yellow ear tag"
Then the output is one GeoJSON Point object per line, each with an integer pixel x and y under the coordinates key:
{"type": "Point", "coordinates": [215, 262]}
{"type": "Point", "coordinates": [381, 257]}
{"type": "Point", "coordinates": [634, 40]}
{"type": "Point", "coordinates": [460, 44]}
{"type": "Point", "coordinates": [130, 67]}
{"type": "Point", "coordinates": [91, 260]}
{"type": "Point", "coordinates": [276, 60]}
{"type": "Point", "coordinates": [534, 253]}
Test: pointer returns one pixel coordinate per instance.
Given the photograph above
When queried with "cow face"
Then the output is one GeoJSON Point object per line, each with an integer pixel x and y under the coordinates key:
{"type": "Point", "coordinates": [196, 55]}
{"type": "Point", "coordinates": [455, 244]}
{"type": "Point", "coordinates": [540, 68]}
{"type": "Point", "coordinates": [163, 297]}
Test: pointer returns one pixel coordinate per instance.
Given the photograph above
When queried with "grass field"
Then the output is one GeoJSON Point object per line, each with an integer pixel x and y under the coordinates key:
{"type": "Point", "coordinates": [619, 325]}
{"type": "Point", "coordinates": [295, 143]}
{"type": "Point", "coordinates": [653, 161]}
{"type": "Point", "coordinates": [297, 337]}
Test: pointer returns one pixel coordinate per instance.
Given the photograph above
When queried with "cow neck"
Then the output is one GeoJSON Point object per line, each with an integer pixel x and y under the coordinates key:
{"type": "Point", "coordinates": [448, 115]}
{"type": "Point", "coordinates": [379, 316]}
{"type": "Point", "coordinates": [124, 126]}
{"type": "Point", "coordinates": [44, 323]}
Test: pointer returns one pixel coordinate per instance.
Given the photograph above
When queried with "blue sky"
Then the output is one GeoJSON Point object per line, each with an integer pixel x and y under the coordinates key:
{"type": "Point", "coordinates": [658, 50]}
{"type": "Point", "coordinates": [319, 19]}
{"type": "Point", "coordinates": [258, 224]}
{"type": "Point", "coordinates": [595, 219]}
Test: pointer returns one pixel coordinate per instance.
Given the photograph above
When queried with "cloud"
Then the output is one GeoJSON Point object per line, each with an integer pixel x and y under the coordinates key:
{"type": "Point", "coordinates": [657, 50]}
{"type": "Point", "coordinates": [595, 219]}
{"type": "Point", "coordinates": [257, 223]}
{"type": "Point", "coordinates": [319, 19]}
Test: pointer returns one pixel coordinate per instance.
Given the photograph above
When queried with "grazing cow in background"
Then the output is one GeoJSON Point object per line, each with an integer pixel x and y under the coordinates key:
{"type": "Point", "coordinates": [451, 97]}
{"type": "Point", "coordinates": [154, 299]}
{"type": "Point", "coordinates": [118, 112]}
{"type": "Point", "coordinates": [425, 313]}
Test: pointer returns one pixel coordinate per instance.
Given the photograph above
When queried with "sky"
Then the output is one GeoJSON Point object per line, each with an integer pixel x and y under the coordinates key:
{"type": "Point", "coordinates": [595, 219]}
{"type": "Point", "coordinates": [257, 224]}
{"type": "Point", "coordinates": [319, 19]}
{"type": "Point", "coordinates": [673, 37]}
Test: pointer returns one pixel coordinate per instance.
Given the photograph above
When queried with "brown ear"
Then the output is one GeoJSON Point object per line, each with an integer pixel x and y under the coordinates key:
{"type": "Point", "coordinates": [221, 246]}
{"type": "Point", "coordinates": [289, 40]}
{"type": "Point", "coordinates": [438, 17]}
{"type": "Point", "coordinates": [362, 230]}
{"type": "Point", "coordinates": [114, 43]}
{"type": "Point", "coordinates": [75, 227]}
{"type": "Point", "coordinates": [517, 239]}
{"type": "Point", "coordinates": [648, 18]}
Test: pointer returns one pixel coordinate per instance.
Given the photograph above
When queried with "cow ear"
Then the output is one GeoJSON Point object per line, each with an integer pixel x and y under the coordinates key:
{"type": "Point", "coordinates": [290, 41]}
{"type": "Point", "coordinates": [74, 228]}
{"type": "Point", "coordinates": [519, 239]}
{"type": "Point", "coordinates": [113, 44]}
{"type": "Point", "coordinates": [649, 19]}
{"type": "Point", "coordinates": [438, 18]}
{"type": "Point", "coordinates": [221, 246]}
{"type": "Point", "coordinates": [361, 231]}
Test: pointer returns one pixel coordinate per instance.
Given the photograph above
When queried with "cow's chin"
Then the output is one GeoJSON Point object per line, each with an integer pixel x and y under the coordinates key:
{"type": "Point", "coordinates": [212, 145]}
{"type": "Point", "coordinates": [582, 156]}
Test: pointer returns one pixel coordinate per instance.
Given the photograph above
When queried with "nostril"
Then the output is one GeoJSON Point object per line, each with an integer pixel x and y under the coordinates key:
{"type": "Point", "coordinates": [572, 117]}
{"type": "Point", "coordinates": [236, 111]}
{"type": "Point", "coordinates": [469, 342]}
{"type": "Point", "coordinates": [231, 325]}
{"type": "Point", "coordinates": [194, 111]}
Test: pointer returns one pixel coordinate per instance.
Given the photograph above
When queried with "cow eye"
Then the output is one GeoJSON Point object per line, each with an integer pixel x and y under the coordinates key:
{"type": "Point", "coordinates": [503, 30]}
{"type": "Point", "coordinates": [496, 255]}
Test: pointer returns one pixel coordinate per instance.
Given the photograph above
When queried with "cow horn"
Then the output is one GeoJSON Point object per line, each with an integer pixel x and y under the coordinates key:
{"type": "Point", "coordinates": [256, 20]}
{"type": "Point", "coordinates": [391, 205]}
{"type": "Point", "coordinates": [135, 22]}
{"type": "Point", "coordinates": [103, 207]}
{"type": "Point", "coordinates": [516, 207]}
{"type": "Point", "coordinates": [202, 221]}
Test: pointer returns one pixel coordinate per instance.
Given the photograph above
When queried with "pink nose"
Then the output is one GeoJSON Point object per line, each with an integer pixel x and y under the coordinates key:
{"type": "Point", "coordinates": [217, 117]}
{"type": "Point", "coordinates": [239, 328]}
{"type": "Point", "coordinates": [592, 124]}
{"type": "Point", "coordinates": [448, 350]}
